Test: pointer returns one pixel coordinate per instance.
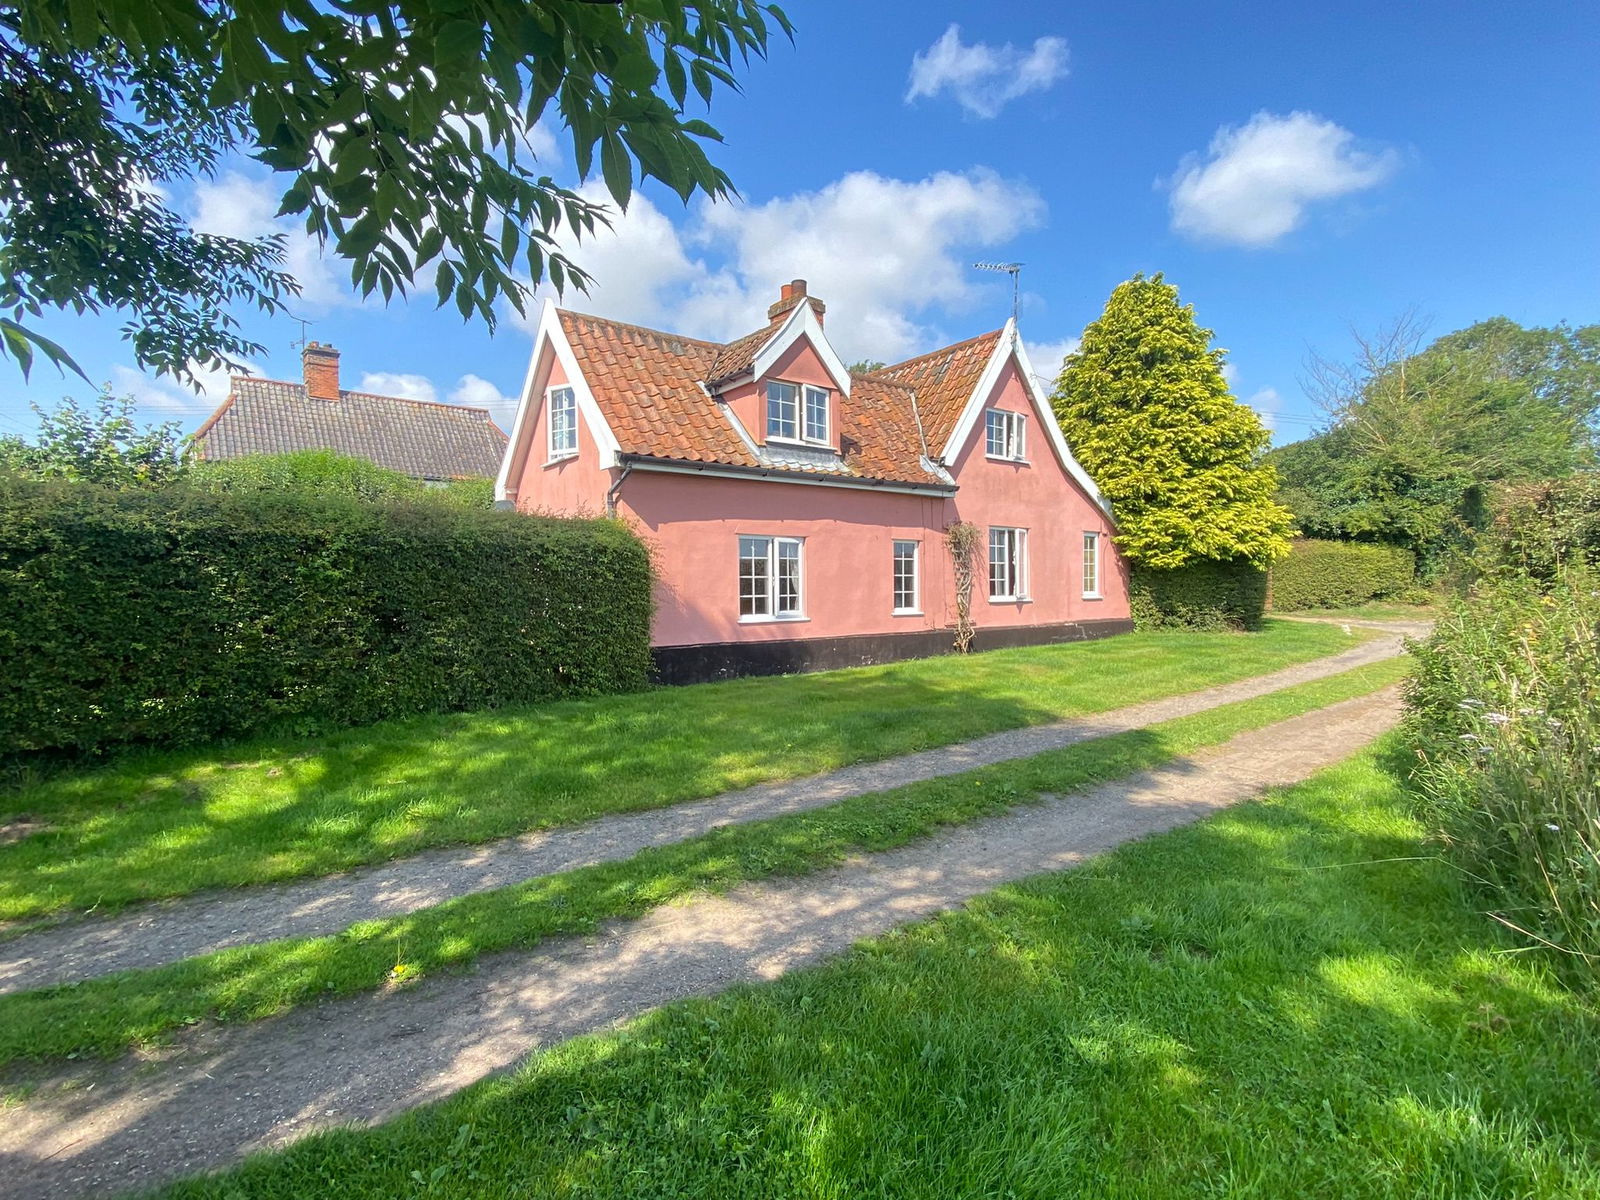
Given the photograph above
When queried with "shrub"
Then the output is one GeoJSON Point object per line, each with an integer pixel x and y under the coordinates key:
{"type": "Point", "coordinates": [308, 473]}
{"type": "Point", "coordinates": [1504, 714]}
{"type": "Point", "coordinates": [1324, 574]}
{"type": "Point", "coordinates": [1538, 528]}
{"type": "Point", "coordinates": [1201, 595]}
{"type": "Point", "coordinates": [176, 615]}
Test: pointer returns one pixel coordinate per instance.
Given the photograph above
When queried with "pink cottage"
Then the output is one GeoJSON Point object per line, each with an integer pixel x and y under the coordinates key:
{"type": "Point", "coordinates": [797, 512]}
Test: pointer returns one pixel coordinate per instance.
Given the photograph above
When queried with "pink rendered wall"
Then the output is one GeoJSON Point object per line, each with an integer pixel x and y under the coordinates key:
{"type": "Point", "coordinates": [570, 485]}
{"type": "Point", "coordinates": [799, 364]}
{"type": "Point", "coordinates": [1041, 497]}
{"type": "Point", "coordinates": [693, 524]}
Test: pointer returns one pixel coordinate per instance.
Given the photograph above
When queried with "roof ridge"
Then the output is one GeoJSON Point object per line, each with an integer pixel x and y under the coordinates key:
{"type": "Point", "coordinates": [662, 333]}
{"type": "Point", "coordinates": [941, 350]}
{"type": "Point", "coordinates": [289, 383]}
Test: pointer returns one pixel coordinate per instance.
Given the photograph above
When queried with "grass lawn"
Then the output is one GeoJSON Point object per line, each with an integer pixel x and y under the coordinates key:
{"type": "Point", "coordinates": [1290, 999]}
{"type": "Point", "coordinates": [169, 824]}
{"type": "Point", "coordinates": [105, 1016]}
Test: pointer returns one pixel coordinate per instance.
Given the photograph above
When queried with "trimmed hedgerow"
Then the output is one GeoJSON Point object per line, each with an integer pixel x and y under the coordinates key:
{"type": "Point", "coordinates": [1326, 574]}
{"type": "Point", "coordinates": [183, 614]}
{"type": "Point", "coordinates": [1202, 595]}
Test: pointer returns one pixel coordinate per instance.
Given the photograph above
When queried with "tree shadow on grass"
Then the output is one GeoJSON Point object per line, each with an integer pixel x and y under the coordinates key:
{"type": "Point", "coordinates": [1289, 999]}
{"type": "Point", "coordinates": [167, 824]}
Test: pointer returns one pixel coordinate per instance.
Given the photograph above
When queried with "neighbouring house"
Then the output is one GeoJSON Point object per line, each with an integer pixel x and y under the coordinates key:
{"type": "Point", "coordinates": [424, 439]}
{"type": "Point", "coordinates": [798, 512]}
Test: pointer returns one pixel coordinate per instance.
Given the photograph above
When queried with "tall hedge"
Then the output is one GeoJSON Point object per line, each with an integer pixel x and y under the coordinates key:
{"type": "Point", "coordinates": [183, 614]}
{"type": "Point", "coordinates": [1327, 574]}
{"type": "Point", "coordinates": [1540, 528]}
{"type": "Point", "coordinates": [1202, 595]}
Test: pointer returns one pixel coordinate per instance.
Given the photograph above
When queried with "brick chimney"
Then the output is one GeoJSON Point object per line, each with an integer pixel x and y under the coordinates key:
{"type": "Point", "coordinates": [321, 365]}
{"type": "Point", "coordinates": [792, 295]}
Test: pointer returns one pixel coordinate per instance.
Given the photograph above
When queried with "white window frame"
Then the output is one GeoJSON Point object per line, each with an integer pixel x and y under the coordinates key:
{"type": "Point", "coordinates": [1015, 543]}
{"type": "Point", "coordinates": [1091, 564]}
{"type": "Point", "coordinates": [812, 397]}
{"type": "Point", "coordinates": [795, 411]}
{"type": "Point", "coordinates": [1011, 428]}
{"type": "Point", "coordinates": [569, 426]}
{"type": "Point", "coordinates": [915, 607]}
{"type": "Point", "coordinates": [775, 406]}
{"type": "Point", "coordinates": [775, 551]}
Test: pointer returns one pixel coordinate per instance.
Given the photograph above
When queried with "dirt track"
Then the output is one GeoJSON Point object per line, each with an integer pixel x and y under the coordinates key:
{"type": "Point", "coordinates": [225, 1091]}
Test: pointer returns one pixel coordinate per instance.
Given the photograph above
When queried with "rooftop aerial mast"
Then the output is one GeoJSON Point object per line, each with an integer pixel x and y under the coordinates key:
{"type": "Point", "coordinates": [1012, 269]}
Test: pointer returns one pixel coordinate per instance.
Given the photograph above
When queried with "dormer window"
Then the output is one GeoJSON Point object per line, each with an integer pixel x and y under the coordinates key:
{"type": "Point", "coordinates": [1004, 435]}
{"type": "Point", "coordinates": [563, 423]}
{"type": "Point", "coordinates": [796, 412]}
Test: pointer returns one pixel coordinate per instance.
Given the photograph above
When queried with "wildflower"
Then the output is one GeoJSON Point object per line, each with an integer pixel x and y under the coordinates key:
{"type": "Point", "coordinates": [1497, 718]}
{"type": "Point", "coordinates": [1553, 828]}
{"type": "Point", "coordinates": [1469, 705]}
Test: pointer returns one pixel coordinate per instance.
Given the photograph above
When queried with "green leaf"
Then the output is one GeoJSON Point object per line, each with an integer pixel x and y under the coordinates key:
{"type": "Point", "coordinates": [617, 167]}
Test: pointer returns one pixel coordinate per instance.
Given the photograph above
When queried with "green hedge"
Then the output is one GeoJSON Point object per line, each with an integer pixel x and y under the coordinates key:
{"type": "Point", "coordinates": [1541, 528]}
{"type": "Point", "coordinates": [1202, 595]}
{"type": "Point", "coordinates": [1324, 574]}
{"type": "Point", "coordinates": [184, 614]}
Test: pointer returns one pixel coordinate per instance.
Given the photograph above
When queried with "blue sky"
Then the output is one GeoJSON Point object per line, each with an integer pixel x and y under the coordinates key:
{"type": "Point", "coordinates": [1298, 171]}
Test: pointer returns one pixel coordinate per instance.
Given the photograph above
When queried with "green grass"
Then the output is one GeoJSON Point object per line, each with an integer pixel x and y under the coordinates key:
{"type": "Point", "coordinates": [170, 824]}
{"type": "Point", "coordinates": [105, 1016]}
{"type": "Point", "coordinates": [1290, 999]}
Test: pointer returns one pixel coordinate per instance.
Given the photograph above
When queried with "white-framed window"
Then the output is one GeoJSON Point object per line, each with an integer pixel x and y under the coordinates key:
{"type": "Point", "coordinates": [563, 422]}
{"type": "Point", "coordinates": [769, 577]}
{"type": "Point", "coordinates": [786, 418]}
{"type": "Point", "coordinates": [783, 410]}
{"type": "Point", "coordinates": [1008, 564]}
{"type": "Point", "coordinates": [1004, 434]}
{"type": "Point", "coordinates": [816, 414]}
{"type": "Point", "coordinates": [907, 577]}
{"type": "Point", "coordinates": [1091, 564]}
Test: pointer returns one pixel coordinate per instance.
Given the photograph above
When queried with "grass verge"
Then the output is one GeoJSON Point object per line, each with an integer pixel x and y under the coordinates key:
{"type": "Point", "coordinates": [1288, 999]}
{"type": "Point", "coordinates": [106, 1015]}
{"type": "Point", "coordinates": [170, 824]}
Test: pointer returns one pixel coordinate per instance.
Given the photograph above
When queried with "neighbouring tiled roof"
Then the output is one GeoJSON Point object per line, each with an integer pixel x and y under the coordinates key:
{"type": "Point", "coordinates": [421, 439]}
{"type": "Point", "coordinates": [943, 381]}
{"type": "Point", "coordinates": [648, 385]}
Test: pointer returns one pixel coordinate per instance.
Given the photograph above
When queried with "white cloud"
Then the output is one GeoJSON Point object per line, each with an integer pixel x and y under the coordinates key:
{"type": "Point", "coordinates": [477, 392]}
{"type": "Point", "coordinates": [888, 256]}
{"type": "Point", "coordinates": [1267, 403]}
{"type": "Point", "coordinates": [162, 398]}
{"type": "Point", "coordinates": [1047, 358]}
{"type": "Point", "coordinates": [390, 383]}
{"type": "Point", "coordinates": [473, 391]}
{"type": "Point", "coordinates": [1257, 180]}
{"type": "Point", "coordinates": [238, 206]}
{"type": "Point", "coordinates": [984, 78]}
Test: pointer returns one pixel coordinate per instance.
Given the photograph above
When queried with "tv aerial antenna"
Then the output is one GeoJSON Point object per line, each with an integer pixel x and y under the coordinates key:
{"type": "Point", "coordinates": [301, 344]}
{"type": "Point", "coordinates": [1012, 269]}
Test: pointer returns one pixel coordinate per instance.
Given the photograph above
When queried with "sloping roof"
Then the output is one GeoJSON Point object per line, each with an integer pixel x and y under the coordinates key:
{"type": "Point", "coordinates": [943, 381]}
{"type": "Point", "coordinates": [648, 385]}
{"type": "Point", "coordinates": [416, 437]}
{"type": "Point", "coordinates": [737, 355]}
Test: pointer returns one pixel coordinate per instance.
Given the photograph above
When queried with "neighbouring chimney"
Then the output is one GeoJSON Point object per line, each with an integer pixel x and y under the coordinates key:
{"type": "Point", "coordinates": [792, 295]}
{"type": "Point", "coordinates": [321, 371]}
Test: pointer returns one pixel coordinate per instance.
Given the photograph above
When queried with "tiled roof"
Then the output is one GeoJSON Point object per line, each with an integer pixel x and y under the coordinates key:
{"type": "Point", "coordinates": [943, 381]}
{"type": "Point", "coordinates": [648, 385]}
{"type": "Point", "coordinates": [421, 439]}
{"type": "Point", "coordinates": [738, 354]}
